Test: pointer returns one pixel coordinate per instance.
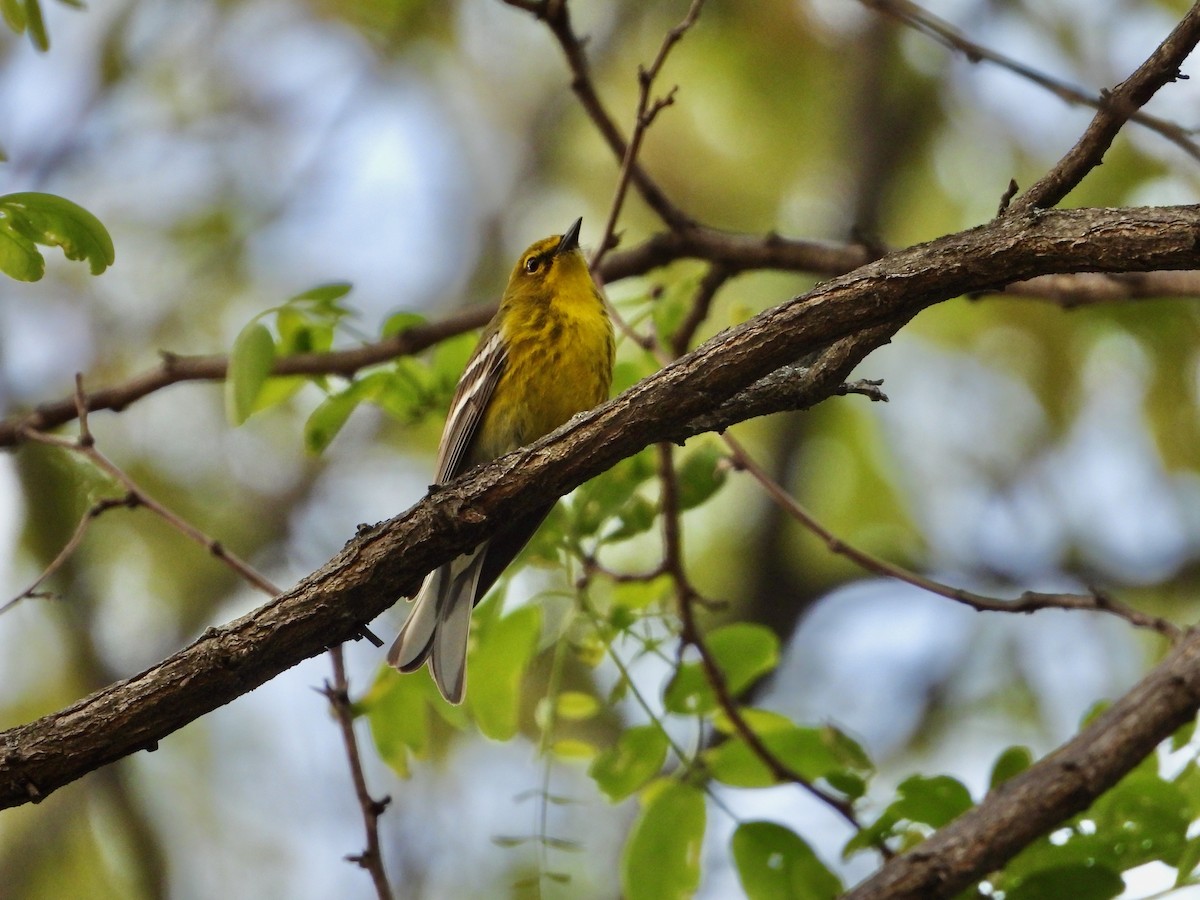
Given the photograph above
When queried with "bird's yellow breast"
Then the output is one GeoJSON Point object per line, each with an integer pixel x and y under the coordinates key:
{"type": "Point", "coordinates": [559, 363]}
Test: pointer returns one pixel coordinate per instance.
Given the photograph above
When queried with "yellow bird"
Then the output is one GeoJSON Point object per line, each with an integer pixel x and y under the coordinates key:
{"type": "Point", "coordinates": [545, 356]}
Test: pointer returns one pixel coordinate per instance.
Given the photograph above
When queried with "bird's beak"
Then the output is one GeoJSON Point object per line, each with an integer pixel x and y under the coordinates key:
{"type": "Point", "coordinates": [570, 239]}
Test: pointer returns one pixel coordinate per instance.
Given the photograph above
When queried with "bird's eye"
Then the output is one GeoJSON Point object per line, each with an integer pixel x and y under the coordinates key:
{"type": "Point", "coordinates": [532, 264]}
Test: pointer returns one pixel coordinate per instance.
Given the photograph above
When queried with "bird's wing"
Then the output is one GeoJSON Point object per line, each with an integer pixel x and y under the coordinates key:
{"type": "Point", "coordinates": [471, 399]}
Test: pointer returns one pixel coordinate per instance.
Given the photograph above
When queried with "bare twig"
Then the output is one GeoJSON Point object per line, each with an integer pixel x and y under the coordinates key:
{"type": "Point", "coordinates": [337, 693]}
{"type": "Point", "coordinates": [85, 445]}
{"type": "Point", "coordinates": [1162, 67]}
{"type": "Point", "coordinates": [554, 13]}
{"type": "Point", "coordinates": [922, 20]}
{"type": "Point", "coordinates": [713, 280]}
{"type": "Point", "coordinates": [1028, 602]}
{"type": "Point", "coordinates": [129, 501]}
{"type": "Point", "coordinates": [646, 113]}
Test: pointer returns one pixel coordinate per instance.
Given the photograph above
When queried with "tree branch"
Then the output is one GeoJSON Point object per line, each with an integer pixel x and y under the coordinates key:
{"type": "Point", "coordinates": [1162, 67]}
{"type": "Point", "coordinates": [730, 254]}
{"type": "Point", "coordinates": [1064, 783]}
{"type": "Point", "coordinates": [922, 20]}
{"type": "Point", "coordinates": [856, 312]}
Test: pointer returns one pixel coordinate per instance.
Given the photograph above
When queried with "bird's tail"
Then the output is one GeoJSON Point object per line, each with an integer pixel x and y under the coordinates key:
{"type": "Point", "coordinates": [436, 630]}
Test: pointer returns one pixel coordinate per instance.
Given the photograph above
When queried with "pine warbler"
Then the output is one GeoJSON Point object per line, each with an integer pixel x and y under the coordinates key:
{"type": "Point", "coordinates": [546, 356]}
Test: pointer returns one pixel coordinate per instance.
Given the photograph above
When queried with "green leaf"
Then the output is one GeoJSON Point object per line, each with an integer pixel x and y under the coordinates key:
{"type": "Point", "coordinates": [774, 863]}
{"type": "Point", "coordinates": [20, 259]}
{"type": "Point", "coordinates": [807, 751]}
{"type": "Point", "coordinates": [401, 321]}
{"type": "Point", "coordinates": [609, 495]}
{"type": "Point", "coordinates": [575, 706]}
{"type": "Point", "coordinates": [1183, 736]}
{"type": "Point", "coordinates": [672, 306]}
{"type": "Point", "coordinates": [37, 30]}
{"type": "Point", "coordinates": [661, 860]}
{"type": "Point", "coordinates": [1012, 761]}
{"type": "Point", "coordinates": [26, 15]}
{"type": "Point", "coordinates": [630, 596]}
{"type": "Point", "coordinates": [324, 422]}
{"type": "Point", "coordinates": [250, 363]}
{"type": "Point", "coordinates": [327, 419]}
{"type": "Point", "coordinates": [14, 14]}
{"type": "Point", "coordinates": [1188, 862]}
{"type": "Point", "coordinates": [57, 222]}
{"type": "Point", "coordinates": [637, 757]}
{"type": "Point", "coordinates": [299, 333]}
{"type": "Point", "coordinates": [450, 359]}
{"type": "Point", "coordinates": [502, 651]}
{"type": "Point", "coordinates": [701, 475]}
{"type": "Point", "coordinates": [1143, 819]}
{"type": "Point", "coordinates": [1079, 882]}
{"type": "Point", "coordinates": [636, 517]}
{"type": "Point", "coordinates": [933, 801]}
{"type": "Point", "coordinates": [397, 708]}
{"type": "Point", "coordinates": [325, 296]}
{"type": "Point", "coordinates": [573, 748]}
{"type": "Point", "coordinates": [743, 652]}
{"type": "Point", "coordinates": [408, 391]}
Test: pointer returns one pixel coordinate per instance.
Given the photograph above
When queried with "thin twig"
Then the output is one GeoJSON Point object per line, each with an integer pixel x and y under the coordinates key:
{"type": "Point", "coordinates": [554, 13]}
{"type": "Point", "coordinates": [175, 368]}
{"type": "Point", "coordinates": [647, 111]}
{"type": "Point", "coordinates": [1028, 602]}
{"type": "Point", "coordinates": [713, 280]}
{"type": "Point", "coordinates": [736, 253]}
{"type": "Point", "coordinates": [85, 445]}
{"type": "Point", "coordinates": [129, 501]}
{"type": "Point", "coordinates": [1118, 106]}
{"type": "Point", "coordinates": [338, 695]}
{"type": "Point", "coordinates": [925, 22]}
{"type": "Point", "coordinates": [686, 597]}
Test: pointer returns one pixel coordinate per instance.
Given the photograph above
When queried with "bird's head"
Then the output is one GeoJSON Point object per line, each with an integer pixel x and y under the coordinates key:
{"type": "Point", "coordinates": [550, 266]}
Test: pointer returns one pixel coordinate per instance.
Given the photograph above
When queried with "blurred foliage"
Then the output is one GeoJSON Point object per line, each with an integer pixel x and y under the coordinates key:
{"type": "Point", "coordinates": [242, 152]}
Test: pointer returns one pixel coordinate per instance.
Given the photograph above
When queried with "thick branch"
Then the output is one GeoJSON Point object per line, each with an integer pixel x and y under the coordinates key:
{"type": "Point", "coordinates": [1064, 783]}
{"type": "Point", "coordinates": [388, 560]}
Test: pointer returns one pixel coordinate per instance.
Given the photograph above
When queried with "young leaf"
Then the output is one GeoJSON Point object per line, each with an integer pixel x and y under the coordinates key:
{"type": "Point", "coordinates": [1012, 761]}
{"type": "Point", "coordinates": [26, 15]}
{"type": "Point", "coordinates": [773, 863]}
{"type": "Point", "coordinates": [19, 258]}
{"type": "Point", "coordinates": [1079, 882]}
{"type": "Point", "coordinates": [401, 321]}
{"type": "Point", "coordinates": [701, 475]}
{"type": "Point", "coordinates": [325, 296]}
{"type": "Point", "coordinates": [933, 801]}
{"type": "Point", "coordinates": [661, 860]}
{"type": "Point", "coordinates": [57, 222]}
{"type": "Point", "coordinates": [575, 706]}
{"type": "Point", "coordinates": [804, 750]}
{"type": "Point", "coordinates": [638, 756]}
{"type": "Point", "coordinates": [397, 709]}
{"type": "Point", "coordinates": [250, 364]}
{"type": "Point", "coordinates": [501, 654]}
{"type": "Point", "coordinates": [743, 652]}
{"type": "Point", "coordinates": [324, 422]}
